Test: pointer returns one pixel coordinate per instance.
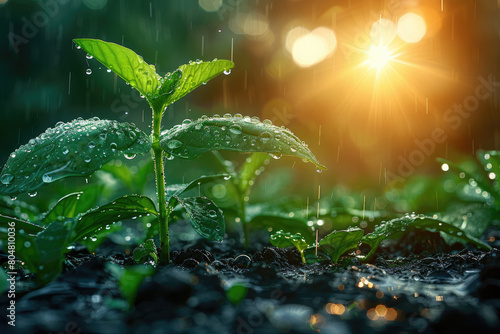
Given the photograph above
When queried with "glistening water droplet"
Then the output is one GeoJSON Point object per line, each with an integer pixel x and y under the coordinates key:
{"type": "Point", "coordinates": [7, 178]}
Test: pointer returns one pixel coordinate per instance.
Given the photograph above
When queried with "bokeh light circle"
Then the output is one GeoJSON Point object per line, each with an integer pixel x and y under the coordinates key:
{"type": "Point", "coordinates": [309, 48]}
{"type": "Point", "coordinates": [411, 28]}
{"type": "Point", "coordinates": [210, 5]}
{"type": "Point", "coordinates": [95, 4]}
{"type": "Point", "coordinates": [383, 32]}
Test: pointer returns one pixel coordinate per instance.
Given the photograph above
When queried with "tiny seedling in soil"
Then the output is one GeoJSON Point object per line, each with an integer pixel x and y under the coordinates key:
{"type": "Point", "coordinates": [81, 147]}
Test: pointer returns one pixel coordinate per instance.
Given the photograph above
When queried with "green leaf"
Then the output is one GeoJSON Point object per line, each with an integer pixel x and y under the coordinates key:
{"type": "Point", "coordinates": [205, 217]}
{"type": "Point", "coordinates": [281, 239]}
{"type": "Point", "coordinates": [19, 225]}
{"type": "Point", "coordinates": [339, 242]}
{"type": "Point", "coordinates": [97, 239]}
{"type": "Point", "coordinates": [17, 208]}
{"type": "Point", "coordinates": [124, 62]}
{"type": "Point", "coordinates": [44, 254]}
{"type": "Point", "coordinates": [472, 218]}
{"type": "Point", "coordinates": [4, 283]}
{"type": "Point", "coordinates": [147, 248]}
{"type": "Point", "coordinates": [241, 134]}
{"type": "Point", "coordinates": [178, 189]}
{"type": "Point", "coordinates": [130, 279]}
{"type": "Point", "coordinates": [65, 207]}
{"type": "Point", "coordinates": [188, 77]}
{"type": "Point", "coordinates": [122, 208]}
{"type": "Point", "coordinates": [491, 164]}
{"type": "Point", "coordinates": [249, 171]}
{"type": "Point", "coordinates": [394, 227]}
{"type": "Point", "coordinates": [483, 183]}
{"type": "Point", "coordinates": [75, 148]}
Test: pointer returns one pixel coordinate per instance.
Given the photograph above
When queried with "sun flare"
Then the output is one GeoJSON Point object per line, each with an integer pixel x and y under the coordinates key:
{"type": "Point", "coordinates": [379, 56]}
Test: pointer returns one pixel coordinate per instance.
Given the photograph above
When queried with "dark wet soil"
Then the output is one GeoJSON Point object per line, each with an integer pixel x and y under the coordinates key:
{"type": "Point", "coordinates": [217, 289]}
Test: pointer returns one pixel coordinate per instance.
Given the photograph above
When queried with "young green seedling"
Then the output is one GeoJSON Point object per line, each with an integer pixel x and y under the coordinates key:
{"type": "Point", "coordinates": [281, 239]}
{"type": "Point", "coordinates": [80, 147]}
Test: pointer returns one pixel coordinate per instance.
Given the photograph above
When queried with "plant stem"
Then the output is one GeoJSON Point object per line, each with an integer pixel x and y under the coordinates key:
{"type": "Point", "coordinates": [160, 188]}
{"type": "Point", "coordinates": [246, 226]}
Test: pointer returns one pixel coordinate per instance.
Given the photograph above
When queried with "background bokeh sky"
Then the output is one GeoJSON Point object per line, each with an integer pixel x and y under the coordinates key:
{"type": "Point", "coordinates": [376, 93]}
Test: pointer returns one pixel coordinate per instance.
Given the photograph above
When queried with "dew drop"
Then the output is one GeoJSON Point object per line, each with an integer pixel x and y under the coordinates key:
{"type": "Point", "coordinates": [129, 156]}
{"type": "Point", "coordinates": [212, 214]}
{"type": "Point", "coordinates": [227, 72]}
{"type": "Point", "coordinates": [87, 159]}
{"type": "Point", "coordinates": [235, 128]}
{"type": "Point", "coordinates": [293, 148]}
{"type": "Point", "coordinates": [174, 143]}
{"type": "Point", "coordinates": [88, 71]}
{"type": "Point", "coordinates": [47, 178]}
{"type": "Point", "coordinates": [113, 146]}
{"type": "Point", "coordinates": [7, 178]}
{"type": "Point", "coordinates": [265, 136]}
{"type": "Point", "coordinates": [91, 145]}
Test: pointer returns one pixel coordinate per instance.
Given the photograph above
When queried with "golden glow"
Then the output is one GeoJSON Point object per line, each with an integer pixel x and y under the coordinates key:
{"type": "Point", "coordinates": [252, 24]}
{"type": "Point", "coordinates": [310, 48]}
{"type": "Point", "coordinates": [411, 28]}
{"type": "Point", "coordinates": [333, 308]}
{"type": "Point", "coordinates": [379, 56]}
{"type": "Point", "coordinates": [383, 32]}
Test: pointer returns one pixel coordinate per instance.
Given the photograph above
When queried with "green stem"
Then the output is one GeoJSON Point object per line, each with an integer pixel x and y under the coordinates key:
{"type": "Point", "coordinates": [160, 188]}
{"type": "Point", "coordinates": [246, 226]}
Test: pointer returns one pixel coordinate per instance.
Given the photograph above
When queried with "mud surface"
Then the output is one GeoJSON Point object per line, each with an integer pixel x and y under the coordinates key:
{"type": "Point", "coordinates": [217, 289]}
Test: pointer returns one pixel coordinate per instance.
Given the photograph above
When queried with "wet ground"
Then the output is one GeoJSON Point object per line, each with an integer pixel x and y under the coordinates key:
{"type": "Point", "coordinates": [218, 289]}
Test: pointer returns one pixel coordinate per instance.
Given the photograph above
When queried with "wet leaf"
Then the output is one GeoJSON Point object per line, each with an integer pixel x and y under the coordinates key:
{"type": "Point", "coordinates": [250, 170]}
{"type": "Point", "coordinates": [178, 189]}
{"type": "Point", "coordinates": [65, 207]}
{"type": "Point", "coordinates": [473, 218]}
{"type": "Point", "coordinates": [490, 161]}
{"type": "Point", "coordinates": [147, 248]}
{"type": "Point", "coordinates": [44, 254]}
{"type": "Point", "coordinates": [282, 239]}
{"type": "Point", "coordinates": [124, 62]}
{"type": "Point", "coordinates": [75, 148]}
{"type": "Point", "coordinates": [125, 207]}
{"type": "Point", "coordinates": [241, 134]}
{"type": "Point", "coordinates": [394, 227]}
{"type": "Point", "coordinates": [20, 226]}
{"type": "Point", "coordinates": [339, 242]}
{"type": "Point", "coordinates": [482, 182]}
{"type": "Point", "coordinates": [17, 208]}
{"type": "Point", "coordinates": [129, 278]}
{"type": "Point", "coordinates": [188, 77]}
{"type": "Point", "coordinates": [205, 217]}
